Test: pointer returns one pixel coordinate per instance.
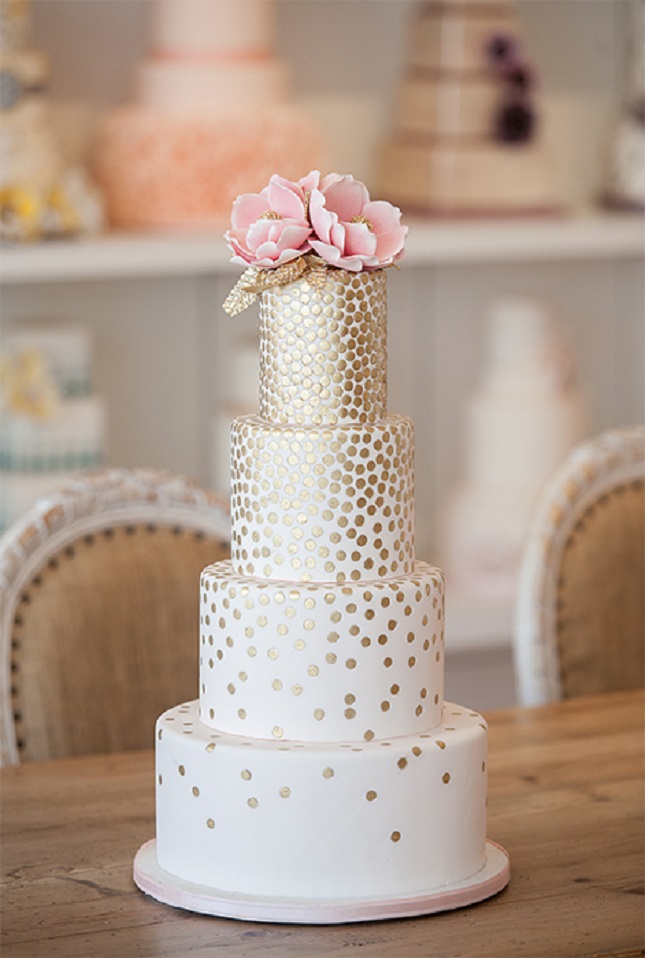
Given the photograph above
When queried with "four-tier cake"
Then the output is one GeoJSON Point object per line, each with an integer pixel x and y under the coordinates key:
{"type": "Point", "coordinates": [320, 776]}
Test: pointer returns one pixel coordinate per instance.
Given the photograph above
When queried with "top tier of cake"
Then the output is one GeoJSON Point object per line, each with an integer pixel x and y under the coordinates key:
{"type": "Point", "coordinates": [226, 28]}
{"type": "Point", "coordinates": [323, 350]}
{"type": "Point", "coordinates": [452, 37]}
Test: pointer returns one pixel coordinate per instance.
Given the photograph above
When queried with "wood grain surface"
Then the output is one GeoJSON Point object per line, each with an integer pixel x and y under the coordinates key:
{"type": "Point", "coordinates": [565, 800]}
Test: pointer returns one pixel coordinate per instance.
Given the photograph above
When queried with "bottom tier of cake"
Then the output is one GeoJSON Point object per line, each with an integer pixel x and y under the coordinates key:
{"type": "Point", "coordinates": [387, 818]}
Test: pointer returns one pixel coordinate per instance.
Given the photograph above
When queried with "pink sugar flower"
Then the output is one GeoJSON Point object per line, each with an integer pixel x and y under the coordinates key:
{"type": "Point", "coordinates": [271, 227]}
{"type": "Point", "coordinates": [351, 231]}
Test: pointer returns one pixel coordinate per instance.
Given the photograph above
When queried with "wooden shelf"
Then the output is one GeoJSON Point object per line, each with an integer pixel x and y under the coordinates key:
{"type": "Point", "coordinates": [121, 255]}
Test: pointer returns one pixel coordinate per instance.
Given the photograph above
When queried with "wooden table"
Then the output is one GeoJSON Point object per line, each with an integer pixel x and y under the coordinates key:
{"type": "Point", "coordinates": [566, 801]}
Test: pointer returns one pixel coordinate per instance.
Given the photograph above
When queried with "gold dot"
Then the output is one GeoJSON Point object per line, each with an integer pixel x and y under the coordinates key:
{"type": "Point", "coordinates": [246, 774]}
{"type": "Point", "coordinates": [445, 778]}
{"type": "Point", "coordinates": [371, 795]}
{"type": "Point", "coordinates": [319, 714]}
{"type": "Point", "coordinates": [252, 803]}
{"type": "Point", "coordinates": [210, 823]}
{"type": "Point", "coordinates": [395, 836]}
{"type": "Point", "coordinates": [440, 743]}
{"type": "Point", "coordinates": [181, 770]}
{"type": "Point", "coordinates": [210, 747]}
{"type": "Point", "coordinates": [285, 791]}
{"type": "Point", "coordinates": [402, 762]}
{"type": "Point", "coordinates": [328, 773]}
{"type": "Point", "coordinates": [277, 732]}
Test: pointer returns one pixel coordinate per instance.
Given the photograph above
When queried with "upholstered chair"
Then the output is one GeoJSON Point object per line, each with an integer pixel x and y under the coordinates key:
{"type": "Point", "coordinates": [99, 611]}
{"type": "Point", "coordinates": [580, 623]}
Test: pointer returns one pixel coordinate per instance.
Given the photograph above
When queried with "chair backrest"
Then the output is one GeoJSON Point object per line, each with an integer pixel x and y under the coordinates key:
{"type": "Point", "coordinates": [580, 620]}
{"type": "Point", "coordinates": [99, 611]}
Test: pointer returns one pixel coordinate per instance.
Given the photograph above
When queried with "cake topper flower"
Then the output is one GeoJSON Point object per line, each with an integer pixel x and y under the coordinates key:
{"type": "Point", "coordinates": [271, 227]}
{"type": "Point", "coordinates": [292, 229]}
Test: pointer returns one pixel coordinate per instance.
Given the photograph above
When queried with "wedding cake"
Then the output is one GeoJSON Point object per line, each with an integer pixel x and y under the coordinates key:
{"type": "Point", "coordinates": [520, 425]}
{"type": "Point", "coordinates": [39, 196]}
{"type": "Point", "coordinates": [320, 776]}
{"type": "Point", "coordinates": [212, 112]}
{"type": "Point", "coordinates": [52, 424]}
{"type": "Point", "coordinates": [467, 138]}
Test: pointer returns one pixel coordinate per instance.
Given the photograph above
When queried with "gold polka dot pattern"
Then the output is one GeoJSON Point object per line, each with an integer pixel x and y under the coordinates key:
{"type": "Point", "coordinates": [321, 662]}
{"type": "Point", "coordinates": [320, 504]}
{"type": "Point", "coordinates": [323, 351]}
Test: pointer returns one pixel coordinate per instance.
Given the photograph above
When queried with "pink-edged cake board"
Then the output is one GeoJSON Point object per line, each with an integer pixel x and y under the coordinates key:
{"type": "Point", "coordinates": [170, 890]}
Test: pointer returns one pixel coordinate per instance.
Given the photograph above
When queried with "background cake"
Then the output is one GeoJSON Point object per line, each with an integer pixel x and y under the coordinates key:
{"type": "Point", "coordinates": [467, 137]}
{"type": "Point", "coordinates": [212, 114]}
{"type": "Point", "coordinates": [39, 196]}
{"type": "Point", "coordinates": [519, 426]}
{"type": "Point", "coordinates": [320, 776]}
{"type": "Point", "coordinates": [51, 423]}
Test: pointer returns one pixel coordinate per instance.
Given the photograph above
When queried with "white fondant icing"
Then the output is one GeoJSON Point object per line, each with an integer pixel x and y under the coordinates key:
{"type": "Point", "coordinates": [207, 28]}
{"type": "Point", "coordinates": [328, 820]}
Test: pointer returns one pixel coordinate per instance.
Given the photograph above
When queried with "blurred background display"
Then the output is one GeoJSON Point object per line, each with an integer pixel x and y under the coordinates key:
{"type": "Point", "coordinates": [52, 425]}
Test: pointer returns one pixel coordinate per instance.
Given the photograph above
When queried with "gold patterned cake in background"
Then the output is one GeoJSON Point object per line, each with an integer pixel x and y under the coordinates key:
{"type": "Point", "coordinates": [320, 776]}
{"type": "Point", "coordinates": [468, 138]}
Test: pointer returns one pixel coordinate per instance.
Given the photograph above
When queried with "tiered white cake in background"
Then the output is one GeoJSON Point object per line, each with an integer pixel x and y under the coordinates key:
{"type": "Point", "coordinates": [212, 114]}
{"type": "Point", "coordinates": [38, 196]}
{"type": "Point", "coordinates": [320, 776]}
{"type": "Point", "coordinates": [625, 186]}
{"type": "Point", "coordinates": [51, 425]}
{"type": "Point", "coordinates": [467, 138]}
{"type": "Point", "coordinates": [519, 428]}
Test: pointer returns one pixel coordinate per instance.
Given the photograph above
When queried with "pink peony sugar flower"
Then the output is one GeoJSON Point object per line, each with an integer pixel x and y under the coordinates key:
{"type": "Point", "coordinates": [351, 231]}
{"type": "Point", "coordinates": [271, 227]}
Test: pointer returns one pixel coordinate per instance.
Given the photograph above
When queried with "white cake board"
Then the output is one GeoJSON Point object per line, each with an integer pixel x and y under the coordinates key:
{"type": "Point", "coordinates": [170, 890]}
